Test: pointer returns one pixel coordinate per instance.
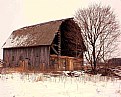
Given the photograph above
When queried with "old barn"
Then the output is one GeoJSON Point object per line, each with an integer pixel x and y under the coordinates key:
{"type": "Point", "coordinates": [51, 45]}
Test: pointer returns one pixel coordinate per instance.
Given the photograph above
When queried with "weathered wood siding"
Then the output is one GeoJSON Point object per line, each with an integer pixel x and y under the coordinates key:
{"type": "Point", "coordinates": [66, 63]}
{"type": "Point", "coordinates": [36, 55]}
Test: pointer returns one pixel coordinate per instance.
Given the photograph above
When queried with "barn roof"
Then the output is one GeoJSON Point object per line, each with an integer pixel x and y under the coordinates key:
{"type": "Point", "coordinates": [40, 34]}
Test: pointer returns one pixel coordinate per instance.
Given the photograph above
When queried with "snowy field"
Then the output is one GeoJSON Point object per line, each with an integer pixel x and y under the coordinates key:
{"type": "Point", "coordinates": [39, 85]}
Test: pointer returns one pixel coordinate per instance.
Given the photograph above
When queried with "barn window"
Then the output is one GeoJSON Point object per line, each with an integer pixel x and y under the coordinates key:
{"type": "Point", "coordinates": [12, 58]}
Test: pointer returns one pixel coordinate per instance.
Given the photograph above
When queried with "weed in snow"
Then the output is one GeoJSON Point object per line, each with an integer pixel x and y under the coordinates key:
{"type": "Point", "coordinates": [64, 85]}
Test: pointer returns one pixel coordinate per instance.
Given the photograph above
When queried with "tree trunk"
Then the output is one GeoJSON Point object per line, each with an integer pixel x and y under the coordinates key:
{"type": "Point", "coordinates": [94, 60]}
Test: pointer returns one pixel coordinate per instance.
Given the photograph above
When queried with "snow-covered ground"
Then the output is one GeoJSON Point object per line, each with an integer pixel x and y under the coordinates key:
{"type": "Point", "coordinates": [39, 85]}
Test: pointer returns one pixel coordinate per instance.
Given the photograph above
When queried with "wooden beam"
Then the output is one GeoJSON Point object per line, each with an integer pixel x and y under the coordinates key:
{"type": "Point", "coordinates": [54, 49]}
{"type": "Point", "coordinates": [59, 49]}
{"type": "Point", "coordinates": [79, 54]}
{"type": "Point", "coordinates": [59, 43]}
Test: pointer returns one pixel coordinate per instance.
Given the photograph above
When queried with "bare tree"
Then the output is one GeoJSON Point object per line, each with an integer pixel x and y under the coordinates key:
{"type": "Point", "coordinates": [100, 31]}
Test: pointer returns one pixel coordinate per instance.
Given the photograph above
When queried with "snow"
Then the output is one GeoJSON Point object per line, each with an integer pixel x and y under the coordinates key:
{"type": "Point", "coordinates": [40, 85]}
{"type": "Point", "coordinates": [15, 42]}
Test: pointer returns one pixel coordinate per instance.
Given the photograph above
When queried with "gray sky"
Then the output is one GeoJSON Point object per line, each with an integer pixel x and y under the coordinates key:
{"type": "Point", "coordinates": [15, 14]}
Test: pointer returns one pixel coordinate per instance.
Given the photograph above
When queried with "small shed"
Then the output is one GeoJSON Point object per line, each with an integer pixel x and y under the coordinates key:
{"type": "Point", "coordinates": [34, 46]}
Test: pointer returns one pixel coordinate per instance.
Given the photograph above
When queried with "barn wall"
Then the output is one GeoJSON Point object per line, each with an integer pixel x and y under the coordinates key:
{"type": "Point", "coordinates": [66, 63]}
{"type": "Point", "coordinates": [36, 56]}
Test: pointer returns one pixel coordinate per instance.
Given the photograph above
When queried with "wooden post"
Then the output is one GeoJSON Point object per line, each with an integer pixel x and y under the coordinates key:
{"type": "Point", "coordinates": [59, 43]}
{"type": "Point", "coordinates": [59, 49]}
{"type": "Point", "coordinates": [76, 44]}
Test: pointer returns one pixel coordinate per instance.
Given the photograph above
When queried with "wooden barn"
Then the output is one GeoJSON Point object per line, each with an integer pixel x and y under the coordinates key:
{"type": "Point", "coordinates": [55, 44]}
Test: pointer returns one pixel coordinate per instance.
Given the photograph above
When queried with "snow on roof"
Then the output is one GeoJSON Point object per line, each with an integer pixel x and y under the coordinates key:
{"type": "Point", "coordinates": [40, 34]}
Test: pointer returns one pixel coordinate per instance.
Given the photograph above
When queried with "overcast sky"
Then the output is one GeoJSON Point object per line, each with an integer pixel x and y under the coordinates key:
{"type": "Point", "coordinates": [15, 14]}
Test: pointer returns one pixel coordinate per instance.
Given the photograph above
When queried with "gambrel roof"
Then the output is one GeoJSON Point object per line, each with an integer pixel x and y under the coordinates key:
{"type": "Point", "coordinates": [35, 35]}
